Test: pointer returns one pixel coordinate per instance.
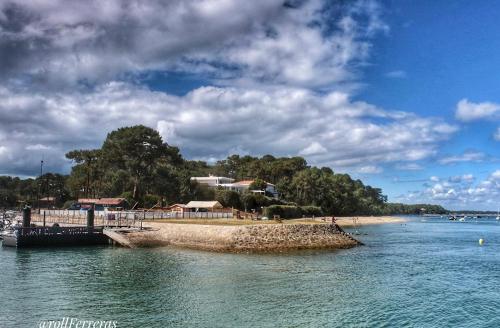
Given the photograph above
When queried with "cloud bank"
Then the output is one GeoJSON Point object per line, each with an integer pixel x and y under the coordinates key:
{"type": "Point", "coordinates": [279, 79]}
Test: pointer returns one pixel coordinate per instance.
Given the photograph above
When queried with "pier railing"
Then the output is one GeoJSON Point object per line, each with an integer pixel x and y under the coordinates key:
{"type": "Point", "coordinates": [107, 221]}
{"type": "Point", "coordinates": [102, 216]}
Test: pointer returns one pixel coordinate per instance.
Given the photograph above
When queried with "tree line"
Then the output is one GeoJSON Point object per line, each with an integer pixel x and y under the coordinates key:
{"type": "Point", "coordinates": [135, 163]}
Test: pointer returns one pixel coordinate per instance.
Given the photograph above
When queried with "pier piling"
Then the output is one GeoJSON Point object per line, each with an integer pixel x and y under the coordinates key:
{"type": "Point", "coordinates": [26, 217]}
{"type": "Point", "coordinates": [90, 218]}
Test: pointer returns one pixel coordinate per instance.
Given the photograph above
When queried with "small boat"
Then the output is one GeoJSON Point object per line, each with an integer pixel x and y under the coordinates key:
{"type": "Point", "coordinates": [452, 218]}
{"type": "Point", "coordinates": [461, 219]}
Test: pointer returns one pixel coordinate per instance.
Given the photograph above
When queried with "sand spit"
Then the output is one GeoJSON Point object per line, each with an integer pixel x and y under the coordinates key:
{"type": "Point", "coordinates": [243, 238]}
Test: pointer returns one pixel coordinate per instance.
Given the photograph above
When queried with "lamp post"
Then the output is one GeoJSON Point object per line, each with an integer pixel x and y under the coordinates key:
{"type": "Point", "coordinates": [40, 185]}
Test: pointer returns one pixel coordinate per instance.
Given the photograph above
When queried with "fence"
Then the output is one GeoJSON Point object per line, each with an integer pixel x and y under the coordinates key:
{"type": "Point", "coordinates": [118, 221]}
{"type": "Point", "coordinates": [112, 217]}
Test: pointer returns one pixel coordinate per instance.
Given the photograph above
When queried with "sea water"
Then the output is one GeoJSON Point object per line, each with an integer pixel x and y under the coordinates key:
{"type": "Point", "coordinates": [428, 272]}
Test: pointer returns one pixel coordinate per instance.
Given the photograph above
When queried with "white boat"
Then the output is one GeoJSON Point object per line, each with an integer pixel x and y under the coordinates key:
{"type": "Point", "coordinates": [461, 219]}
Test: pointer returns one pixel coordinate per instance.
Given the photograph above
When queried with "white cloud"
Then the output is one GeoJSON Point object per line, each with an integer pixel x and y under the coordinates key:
{"type": "Point", "coordinates": [263, 41]}
{"type": "Point", "coordinates": [459, 192]}
{"type": "Point", "coordinates": [409, 167]}
{"type": "Point", "coordinates": [210, 122]}
{"type": "Point", "coordinates": [399, 74]}
{"type": "Point", "coordinates": [369, 169]}
{"type": "Point", "coordinates": [468, 111]}
{"type": "Point", "coordinates": [315, 148]}
{"type": "Point", "coordinates": [462, 178]}
{"type": "Point", "coordinates": [496, 135]}
{"type": "Point", "coordinates": [468, 156]}
{"type": "Point", "coordinates": [38, 147]}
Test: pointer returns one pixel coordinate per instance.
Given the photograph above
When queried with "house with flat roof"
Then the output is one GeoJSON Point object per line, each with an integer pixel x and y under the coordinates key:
{"type": "Point", "coordinates": [244, 185]}
{"type": "Point", "coordinates": [212, 181]}
{"type": "Point", "coordinates": [229, 184]}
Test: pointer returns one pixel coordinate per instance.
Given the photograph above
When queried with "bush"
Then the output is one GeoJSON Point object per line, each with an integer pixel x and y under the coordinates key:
{"type": "Point", "coordinates": [284, 211]}
{"type": "Point", "coordinates": [149, 201]}
{"type": "Point", "coordinates": [68, 204]}
{"type": "Point", "coordinates": [312, 211]}
{"type": "Point", "coordinates": [292, 212]}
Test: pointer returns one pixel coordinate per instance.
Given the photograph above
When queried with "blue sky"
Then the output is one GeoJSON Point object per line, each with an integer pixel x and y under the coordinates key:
{"type": "Point", "coordinates": [402, 94]}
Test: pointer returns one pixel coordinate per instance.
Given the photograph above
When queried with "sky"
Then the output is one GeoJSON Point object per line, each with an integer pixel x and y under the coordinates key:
{"type": "Point", "coordinates": [400, 94]}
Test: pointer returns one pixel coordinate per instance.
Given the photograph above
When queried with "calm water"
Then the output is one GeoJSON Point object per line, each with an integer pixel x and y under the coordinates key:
{"type": "Point", "coordinates": [420, 274]}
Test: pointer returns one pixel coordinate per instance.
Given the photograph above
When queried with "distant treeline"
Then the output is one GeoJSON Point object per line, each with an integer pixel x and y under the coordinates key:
{"type": "Point", "coordinates": [135, 163]}
{"type": "Point", "coordinates": [397, 208]}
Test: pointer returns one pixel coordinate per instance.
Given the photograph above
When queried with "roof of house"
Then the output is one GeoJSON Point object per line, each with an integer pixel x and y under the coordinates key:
{"type": "Point", "coordinates": [87, 200]}
{"type": "Point", "coordinates": [110, 201]}
{"type": "Point", "coordinates": [249, 182]}
{"type": "Point", "coordinates": [48, 199]}
{"type": "Point", "coordinates": [244, 182]}
{"type": "Point", "coordinates": [176, 205]}
{"type": "Point", "coordinates": [101, 201]}
{"type": "Point", "coordinates": [203, 204]}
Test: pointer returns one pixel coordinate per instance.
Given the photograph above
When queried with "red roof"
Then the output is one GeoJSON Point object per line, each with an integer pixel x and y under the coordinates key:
{"type": "Point", "coordinates": [110, 201]}
{"type": "Point", "coordinates": [87, 200]}
{"type": "Point", "coordinates": [249, 182]}
{"type": "Point", "coordinates": [101, 201]}
{"type": "Point", "coordinates": [244, 182]}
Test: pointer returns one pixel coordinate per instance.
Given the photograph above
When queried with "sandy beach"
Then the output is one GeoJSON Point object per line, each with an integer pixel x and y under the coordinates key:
{"type": "Point", "coordinates": [352, 221]}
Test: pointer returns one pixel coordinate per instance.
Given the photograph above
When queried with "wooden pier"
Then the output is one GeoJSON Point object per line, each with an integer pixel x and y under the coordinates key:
{"type": "Point", "coordinates": [56, 236]}
{"type": "Point", "coordinates": [29, 235]}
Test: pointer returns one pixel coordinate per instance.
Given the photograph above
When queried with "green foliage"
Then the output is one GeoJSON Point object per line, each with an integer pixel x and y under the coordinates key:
{"type": "Point", "coordinates": [68, 204]}
{"type": "Point", "coordinates": [228, 198]}
{"type": "Point", "coordinates": [284, 211]}
{"type": "Point", "coordinates": [396, 208]}
{"type": "Point", "coordinates": [139, 151]}
{"type": "Point", "coordinates": [310, 211]}
{"type": "Point", "coordinates": [258, 184]}
{"type": "Point", "coordinates": [137, 164]}
{"type": "Point", "coordinates": [149, 201]}
{"type": "Point", "coordinates": [292, 212]}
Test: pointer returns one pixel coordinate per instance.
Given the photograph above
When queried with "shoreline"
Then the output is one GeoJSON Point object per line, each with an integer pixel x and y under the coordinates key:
{"type": "Point", "coordinates": [348, 222]}
{"type": "Point", "coordinates": [235, 236]}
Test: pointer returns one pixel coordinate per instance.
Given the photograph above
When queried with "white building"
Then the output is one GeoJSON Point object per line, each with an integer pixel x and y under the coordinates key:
{"type": "Point", "coordinates": [229, 184]}
{"type": "Point", "coordinates": [213, 181]}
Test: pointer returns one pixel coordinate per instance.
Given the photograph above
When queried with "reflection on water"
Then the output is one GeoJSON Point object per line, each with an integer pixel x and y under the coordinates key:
{"type": "Point", "coordinates": [423, 274]}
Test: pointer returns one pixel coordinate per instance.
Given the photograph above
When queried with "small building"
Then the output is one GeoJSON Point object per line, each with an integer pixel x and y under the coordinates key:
{"type": "Point", "coordinates": [203, 206]}
{"type": "Point", "coordinates": [101, 204]}
{"type": "Point", "coordinates": [47, 202]}
{"type": "Point", "coordinates": [179, 208]}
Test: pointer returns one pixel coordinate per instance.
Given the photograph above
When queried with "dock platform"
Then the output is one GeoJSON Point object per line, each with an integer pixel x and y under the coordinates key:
{"type": "Point", "coordinates": [55, 236]}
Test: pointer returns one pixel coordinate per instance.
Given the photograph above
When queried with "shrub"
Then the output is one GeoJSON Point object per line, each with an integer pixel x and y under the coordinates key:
{"type": "Point", "coordinates": [68, 204]}
{"type": "Point", "coordinates": [312, 211]}
{"type": "Point", "coordinates": [284, 211]}
{"type": "Point", "coordinates": [292, 212]}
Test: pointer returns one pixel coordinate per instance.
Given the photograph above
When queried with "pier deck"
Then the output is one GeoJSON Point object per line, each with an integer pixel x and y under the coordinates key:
{"type": "Point", "coordinates": [55, 236]}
